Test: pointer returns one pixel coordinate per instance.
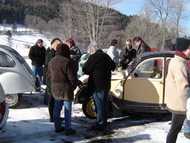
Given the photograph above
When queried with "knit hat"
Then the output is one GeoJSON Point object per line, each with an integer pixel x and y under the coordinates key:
{"type": "Point", "coordinates": [182, 44]}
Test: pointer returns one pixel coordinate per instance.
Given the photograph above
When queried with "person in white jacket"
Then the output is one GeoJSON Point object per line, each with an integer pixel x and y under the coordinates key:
{"type": "Point", "coordinates": [178, 87]}
{"type": "Point", "coordinates": [114, 52]}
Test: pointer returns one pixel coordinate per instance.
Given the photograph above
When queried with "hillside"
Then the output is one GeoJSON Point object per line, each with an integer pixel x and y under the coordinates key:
{"type": "Point", "coordinates": [57, 18]}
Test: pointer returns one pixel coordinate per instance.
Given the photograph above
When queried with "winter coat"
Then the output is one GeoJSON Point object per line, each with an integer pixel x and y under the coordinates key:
{"type": "Point", "coordinates": [50, 53]}
{"type": "Point", "coordinates": [37, 55]}
{"type": "Point", "coordinates": [142, 48]}
{"type": "Point", "coordinates": [63, 79]}
{"type": "Point", "coordinates": [177, 85]}
{"type": "Point", "coordinates": [114, 54]}
{"type": "Point", "coordinates": [75, 56]}
{"type": "Point", "coordinates": [128, 56]}
{"type": "Point", "coordinates": [75, 53]}
{"type": "Point", "coordinates": [99, 67]}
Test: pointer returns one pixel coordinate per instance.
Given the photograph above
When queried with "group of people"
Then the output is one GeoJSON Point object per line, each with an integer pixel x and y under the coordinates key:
{"type": "Point", "coordinates": [133, 48]}
{"type": "Point", "coordinates": [60, 65]}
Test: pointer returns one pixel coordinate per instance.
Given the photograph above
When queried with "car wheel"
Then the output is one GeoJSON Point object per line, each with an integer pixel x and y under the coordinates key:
{"type": "Point", "coordinates": [13, 100]}
{"type": "Point", "coordinates": [88, 108]}
{"type": "Point", "coordinates": [3, 114]}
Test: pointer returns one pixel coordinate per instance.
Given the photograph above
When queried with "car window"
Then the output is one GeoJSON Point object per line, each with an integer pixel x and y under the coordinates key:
{"type": "Point", "coordinates": [20, 59]}
{"type": "Point", "coordinates": [6, 60]}
{"type": "Point", "coordinates": [151, 68]}
{"type": "Point", "coordinates": [17, 55]}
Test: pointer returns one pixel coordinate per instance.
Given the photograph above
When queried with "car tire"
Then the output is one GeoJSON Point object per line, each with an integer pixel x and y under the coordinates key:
{"type": "Point", "coordinates": [13, 100]}
{"type": "Point", "coordinates": [88, 108]}
{"type": "Point", "coordinates": [4, 111]}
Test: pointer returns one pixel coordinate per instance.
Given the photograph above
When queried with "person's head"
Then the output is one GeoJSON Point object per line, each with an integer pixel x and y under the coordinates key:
{"type": "Point", "coordinates": [137, 41]}
{"type": "Point", "coordinates": [92, 47]}
{"type": "Point", "coordinates": [70, 42]}
{"type": "Point", "coordinates": [114, 42]}
{"type": "Point", "coordinates": [55, 42]}
{"type": "Point", "coordinates": [39, 43]}
{"type": "Point", "coordinates": [63, 50]}
{"type": "Point", "coordinates": [183, 45]}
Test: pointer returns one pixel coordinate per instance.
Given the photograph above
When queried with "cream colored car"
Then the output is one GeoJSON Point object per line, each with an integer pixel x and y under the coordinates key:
{"type": "Point", "coordinates": [140, 88]}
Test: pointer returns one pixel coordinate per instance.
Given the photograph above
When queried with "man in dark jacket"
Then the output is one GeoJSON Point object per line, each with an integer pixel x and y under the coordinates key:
{"type": "Point", "coordinates": [74, 52]}
{"type": "Point", "coordinates": [99, 67]}
{"type": "Point", "coordinates": [50, 53]}
{"type": "Point", "coordinates": [63, 82]}
{"type": "Point", "coordinates": [37, 55]}
{"type": "Point", "coordinates": [129, 54]}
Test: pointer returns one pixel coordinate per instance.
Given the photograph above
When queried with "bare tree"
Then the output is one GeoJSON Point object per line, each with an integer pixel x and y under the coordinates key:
{"type": "Point", "coordinates": [36, 22]}
{"type": "Point", "coordinates": [94, 15]}
{"type": "Point", "coordinates": [143, 27]}
{"type": "Point", "coordinates": [162, 11]}
{"type": "Point", "coordinates": [169, 13]}
{"type": "Point", "coordinates": [178, 9]}
{"type": "Point", "coordinates": [66, 16]}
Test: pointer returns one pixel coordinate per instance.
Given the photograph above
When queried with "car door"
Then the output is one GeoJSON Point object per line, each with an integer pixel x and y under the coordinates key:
{"type": "Point", "coordinates": [145, 83]}
{"type": "Point", "coordinates": [117, 84]}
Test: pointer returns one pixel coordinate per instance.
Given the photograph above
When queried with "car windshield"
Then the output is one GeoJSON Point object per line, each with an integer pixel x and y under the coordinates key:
{"type": "Point", "coordinates": [20, 59]}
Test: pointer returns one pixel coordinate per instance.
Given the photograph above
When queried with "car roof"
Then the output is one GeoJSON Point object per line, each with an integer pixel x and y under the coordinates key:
{"type": "Point", "coordinates": [148, 55]}
{"type": "Point", "coordinates": [5, 47]}
{"type": "Point", "coordinates": [158, 54]}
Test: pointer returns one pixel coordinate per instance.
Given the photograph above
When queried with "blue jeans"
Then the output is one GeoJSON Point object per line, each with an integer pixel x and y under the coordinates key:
{"type": "Point", "coordinates": [101, 103]}
{"type": "Point", "coordinates": [67, 113]}
{"type": "Point", "coordinates": [38, 73]}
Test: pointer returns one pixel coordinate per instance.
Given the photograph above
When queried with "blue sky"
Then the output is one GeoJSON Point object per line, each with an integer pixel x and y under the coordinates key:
{"type": "Point", "coordinates": [131, 7]}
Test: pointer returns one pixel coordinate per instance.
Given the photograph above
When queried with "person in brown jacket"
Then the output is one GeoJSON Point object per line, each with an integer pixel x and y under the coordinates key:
{"type": "Point", "coordinates": [63, 82]}
{"type": "Point", "coordinates": [178, 87]}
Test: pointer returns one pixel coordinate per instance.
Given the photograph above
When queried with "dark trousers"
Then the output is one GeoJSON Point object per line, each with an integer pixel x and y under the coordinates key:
{"type": "Point", "coordinates": [101, 104]}
{"type": "Point", "coordinates": [176, 125]}
{"type": "Point", "coordinates": [51, 102]}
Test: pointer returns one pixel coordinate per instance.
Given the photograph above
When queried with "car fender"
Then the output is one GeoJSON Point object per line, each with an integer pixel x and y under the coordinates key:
{"type": "Point", "coordinates": [13, 83]}
{"type": "Point", "coordinates": [2, 94]}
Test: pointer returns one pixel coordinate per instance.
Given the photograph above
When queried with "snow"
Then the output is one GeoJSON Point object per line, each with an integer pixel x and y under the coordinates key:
{"type": "Point", "coordinates": [30, 124]}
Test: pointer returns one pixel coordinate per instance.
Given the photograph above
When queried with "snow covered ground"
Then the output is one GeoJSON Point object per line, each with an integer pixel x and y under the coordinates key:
{"type": "Point", "coordinates": [30, 124]}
